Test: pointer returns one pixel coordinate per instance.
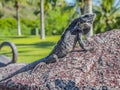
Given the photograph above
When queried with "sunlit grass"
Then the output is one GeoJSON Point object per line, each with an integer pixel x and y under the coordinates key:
{"type": "Point", "coordinates": [30, 48]}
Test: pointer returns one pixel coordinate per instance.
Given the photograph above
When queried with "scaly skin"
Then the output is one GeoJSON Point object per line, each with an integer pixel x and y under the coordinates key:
{"type": "Point", "coordinates": [66, 44]}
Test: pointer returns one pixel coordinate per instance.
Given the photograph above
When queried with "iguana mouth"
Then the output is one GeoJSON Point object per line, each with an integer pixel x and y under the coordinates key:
{"type": "Point", "coordinates": [85, 25]}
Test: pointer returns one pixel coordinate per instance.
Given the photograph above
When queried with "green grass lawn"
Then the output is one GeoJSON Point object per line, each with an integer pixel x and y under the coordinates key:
{"type": "Point", "coordinates": [30, 48]}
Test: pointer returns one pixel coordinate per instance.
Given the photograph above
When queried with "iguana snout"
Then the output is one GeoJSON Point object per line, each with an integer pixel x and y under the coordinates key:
{"type": "Point", "coordinates": [86, 22]}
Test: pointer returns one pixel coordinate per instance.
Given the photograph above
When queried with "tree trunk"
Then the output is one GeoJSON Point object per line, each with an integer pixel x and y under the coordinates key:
{"type": "Point", "coordinates": [42, 31]}
{"type": "Point", "coordinates": [88, 9]}
{"type": "Point", "coordinates": [18, 18]}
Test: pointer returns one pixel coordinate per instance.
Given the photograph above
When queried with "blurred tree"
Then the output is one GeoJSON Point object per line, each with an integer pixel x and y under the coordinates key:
{"type": "Point", "coordinates": [80, 3]}
{"type": "Point", "coordinates": [107, 13]}
{"type": "Point", "coordinates": [88, 9]}
{"type": "Point", "coordinates": [17, 13]}
{"type": "Point", "coordinates": [43, 4]}
{"type": "Point", "coordinates": [85, 7]}
{"type": "Point", "coordinates": [57, 15]}
{"type": "Point", "coordinates": [42, 19]}
{"type": "Point", "coordinates": [17, 5]}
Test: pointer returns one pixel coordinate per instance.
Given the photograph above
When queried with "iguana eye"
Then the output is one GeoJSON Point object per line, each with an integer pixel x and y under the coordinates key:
{"type": "Point", "coordinates": [86, 16]}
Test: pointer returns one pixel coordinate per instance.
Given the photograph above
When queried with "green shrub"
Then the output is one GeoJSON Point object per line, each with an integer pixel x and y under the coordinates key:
{"type": "Point", "coordinates": [27, 25]}
{"type": "Point", "coordinates": [55, 21]}
{"type": "Point", "coordinates": [8, 26]}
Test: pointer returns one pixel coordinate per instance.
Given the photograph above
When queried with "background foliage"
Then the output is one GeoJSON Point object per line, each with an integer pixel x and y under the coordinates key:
{"type": "Point", "coordinates": [58, 15]}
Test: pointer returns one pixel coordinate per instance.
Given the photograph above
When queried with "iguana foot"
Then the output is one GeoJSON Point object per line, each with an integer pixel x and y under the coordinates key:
{"type": "Point", "coordinates": [51, 59]}
{"type": "Point", "coordinates": [39, 66]}
{"type": "Point", "coordinates": [85, 50]}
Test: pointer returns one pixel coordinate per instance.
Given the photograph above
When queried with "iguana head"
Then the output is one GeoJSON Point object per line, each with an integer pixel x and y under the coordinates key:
{"type": "Point", "coordinates": [85, 22]}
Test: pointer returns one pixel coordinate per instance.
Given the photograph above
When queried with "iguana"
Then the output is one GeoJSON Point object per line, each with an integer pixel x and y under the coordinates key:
{"type": "Point", "coordinates": [4, 60]}
{"type": "Point", "coordinates": [66, 44]}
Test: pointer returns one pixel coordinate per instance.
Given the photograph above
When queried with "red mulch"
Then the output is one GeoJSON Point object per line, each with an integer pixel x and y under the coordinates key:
{"type": "Point", "coordinates": [96, 69]}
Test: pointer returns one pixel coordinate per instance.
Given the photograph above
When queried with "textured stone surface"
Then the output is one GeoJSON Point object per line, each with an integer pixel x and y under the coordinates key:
{"type": "Point", "coordinates": [97, 69]}
{"type": "Point", "coordinates": [5, 71]}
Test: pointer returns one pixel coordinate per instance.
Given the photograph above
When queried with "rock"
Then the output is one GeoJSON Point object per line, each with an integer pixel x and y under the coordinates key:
{"type": "Point", "coordinates": [96, 69]}
{"type": "Point", "coordinates": [7, 70]}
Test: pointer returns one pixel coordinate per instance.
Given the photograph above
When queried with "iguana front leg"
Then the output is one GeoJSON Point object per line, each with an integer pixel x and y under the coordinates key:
{"type": "Point", "coordinates": [79, 34]}
{"type": "Point", "coordinates": [80, 41]}
{"type": "Point", "coordinates": [51, 58]}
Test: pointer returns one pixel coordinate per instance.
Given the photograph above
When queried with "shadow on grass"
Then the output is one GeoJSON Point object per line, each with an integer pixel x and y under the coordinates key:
{"type": "Point", "coordinates": [14, 37]}
{"type": "Point", "coordinates": [18, 37]}
{"type": "Point", "coordinates": [39, 45]}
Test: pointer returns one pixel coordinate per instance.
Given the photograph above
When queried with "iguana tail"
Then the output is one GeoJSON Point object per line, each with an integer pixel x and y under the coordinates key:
{"type": "Point", "coordinates": [25, 68]}
{"type": "Point", "coordinates": [14, 50]}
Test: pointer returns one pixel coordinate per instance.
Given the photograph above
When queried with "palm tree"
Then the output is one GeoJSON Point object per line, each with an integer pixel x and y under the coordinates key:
{"type": "Point", "coordinates": [42, 19]}
{"type": "Point", "coordinates": [87, 6]}
{"type": "Point", "coordinates": [81, 5]}
{"type": "Point", "coordinates": [88, 9]}
{"type": "Point", "coordinates": [41, 11]}
{"type": "Point", "coordinates": [107, 14]}
{"type": "Point", "coordinates": [17, 3]}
